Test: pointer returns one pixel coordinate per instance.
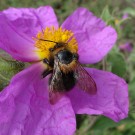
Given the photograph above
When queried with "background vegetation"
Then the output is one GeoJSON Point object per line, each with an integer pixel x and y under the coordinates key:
{"type": "Point", "coordinates": [119, 61]}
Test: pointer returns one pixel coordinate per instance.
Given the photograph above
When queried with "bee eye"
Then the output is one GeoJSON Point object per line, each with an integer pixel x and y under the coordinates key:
{"type": "Point", "coordinates": [51, 49]}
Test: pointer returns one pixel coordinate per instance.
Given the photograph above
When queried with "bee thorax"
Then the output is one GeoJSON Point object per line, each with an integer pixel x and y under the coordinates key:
{"type": "Point", "coordinates": [65, 57]}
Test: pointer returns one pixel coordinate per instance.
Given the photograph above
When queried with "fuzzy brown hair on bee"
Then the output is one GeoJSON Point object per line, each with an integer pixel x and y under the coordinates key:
{"type": "Point", "coordinates": [66, 72]}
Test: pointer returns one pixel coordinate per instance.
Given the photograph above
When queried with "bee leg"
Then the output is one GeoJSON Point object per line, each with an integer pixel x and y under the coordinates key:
{"type": "Point", "coordinates": [46, 72]}
{"type": "Point", "coordinates": [46, 61]}
{"type": "Point", "coordinates": [50, 63]}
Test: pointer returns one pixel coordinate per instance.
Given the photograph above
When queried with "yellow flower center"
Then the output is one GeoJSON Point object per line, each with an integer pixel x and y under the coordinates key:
{"type": "Point", "coordinates": [48, 39]}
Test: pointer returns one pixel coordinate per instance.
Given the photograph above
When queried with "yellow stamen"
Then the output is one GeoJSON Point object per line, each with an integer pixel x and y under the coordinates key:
{"type": "Point", "coordinates": [58, 35]}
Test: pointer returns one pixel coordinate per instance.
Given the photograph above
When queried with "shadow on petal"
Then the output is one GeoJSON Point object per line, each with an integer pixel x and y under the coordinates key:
{"type": "Point", "coordinates": [95, 38]}
{"type": "Point", "coordinates": [25, 107]}
{"type": "Point", "coordinates": [111, 99]}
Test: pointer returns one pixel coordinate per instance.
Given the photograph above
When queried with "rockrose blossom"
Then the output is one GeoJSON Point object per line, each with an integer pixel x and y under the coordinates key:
{"type": "Point", "coordinates": [24, 104]}
{"type": "Point", "coordinates": [125, 16]}
{"type": "Point", "coordinates": [126, 47]}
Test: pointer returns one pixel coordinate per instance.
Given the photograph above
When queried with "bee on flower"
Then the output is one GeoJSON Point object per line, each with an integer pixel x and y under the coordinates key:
{"type": "Point", "coordinates": [46, 96]}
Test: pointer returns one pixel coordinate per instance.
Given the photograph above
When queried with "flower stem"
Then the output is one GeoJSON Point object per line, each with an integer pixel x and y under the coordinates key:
{"type": "Point", "coordinates": [104, 64]}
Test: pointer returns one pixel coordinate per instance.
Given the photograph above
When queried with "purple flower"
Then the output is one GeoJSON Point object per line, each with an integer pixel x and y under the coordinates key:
{"type": "Point", "coordinates": [125, 16]}
{"type": "Point", "coordinates": [24, 104]}
{"type": "Point", "coordinates": [127, 47]}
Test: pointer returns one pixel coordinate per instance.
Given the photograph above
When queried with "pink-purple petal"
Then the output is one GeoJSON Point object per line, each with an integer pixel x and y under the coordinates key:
{"type": "Point", "coordinates": [25, 107]}
{"type": "Point", "coordinates": [19, 25]}
{"type": "Point", "coordinates": [30, 20]}
{"type": "Point", "coordinates": [111, 99]}
{"type": "Point", "coordinates": [16, 43]}
{"type": "Point", "coordinates": [95, 39]}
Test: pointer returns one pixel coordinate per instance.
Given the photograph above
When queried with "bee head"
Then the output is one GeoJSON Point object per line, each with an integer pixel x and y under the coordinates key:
{"type": "Point", "coordinates": [66, 57]}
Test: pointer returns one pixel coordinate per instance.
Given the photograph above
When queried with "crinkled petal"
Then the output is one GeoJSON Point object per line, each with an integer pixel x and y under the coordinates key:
{"type": "Point", "coordinates": [25, 108]}
{"type": "Point", "coordinates": [30, 20]}
{"type": "Point", "coordinates": [16, 43]}
{"type": "Point", "coordinates": [95, 39]}
{"type": "Point", "coordinates": [111, 99]}
{"type": "Point", "coordinates": [19, 25]}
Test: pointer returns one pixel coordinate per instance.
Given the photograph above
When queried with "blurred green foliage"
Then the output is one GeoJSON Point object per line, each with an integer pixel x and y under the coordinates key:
{"type": "Point", "coordinates": [119, 62]}
{"type": "Point", "coordinates": [8, 67]}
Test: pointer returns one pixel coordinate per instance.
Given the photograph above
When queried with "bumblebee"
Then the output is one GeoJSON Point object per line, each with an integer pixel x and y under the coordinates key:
{"type": "Point", "coordinates": [66, 72]}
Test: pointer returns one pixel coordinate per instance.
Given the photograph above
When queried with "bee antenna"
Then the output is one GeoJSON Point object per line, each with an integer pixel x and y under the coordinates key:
{"type": "Point", "coordinates": [48, 40]}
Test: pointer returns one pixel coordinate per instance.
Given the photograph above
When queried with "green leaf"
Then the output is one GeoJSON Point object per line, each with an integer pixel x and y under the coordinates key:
{"type": "Point", "coordinates": [104, 123]}
{"type": "Point", "coordinates": [106, 16]}
{"type": "Point", "coordinates": [117, 63]}
{"type": "Point", "coordinates": [5, 56]}
{"type": "Point", "coordinates": [130, 11]}
{"type": "Point", "coordinates": [8, 68]}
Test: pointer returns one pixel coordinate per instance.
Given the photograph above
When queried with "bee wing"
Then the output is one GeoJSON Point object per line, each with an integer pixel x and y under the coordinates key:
{"type": "Point", "coordinates": [56, 84]}
{"type": "Point", "coordinates": [84, 80]}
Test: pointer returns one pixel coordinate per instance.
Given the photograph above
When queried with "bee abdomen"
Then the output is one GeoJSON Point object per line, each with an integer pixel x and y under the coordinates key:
{"type": "Point", "coordinates": [69, 80]}
{"type": "Point", "coordinates": [64, 83]}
